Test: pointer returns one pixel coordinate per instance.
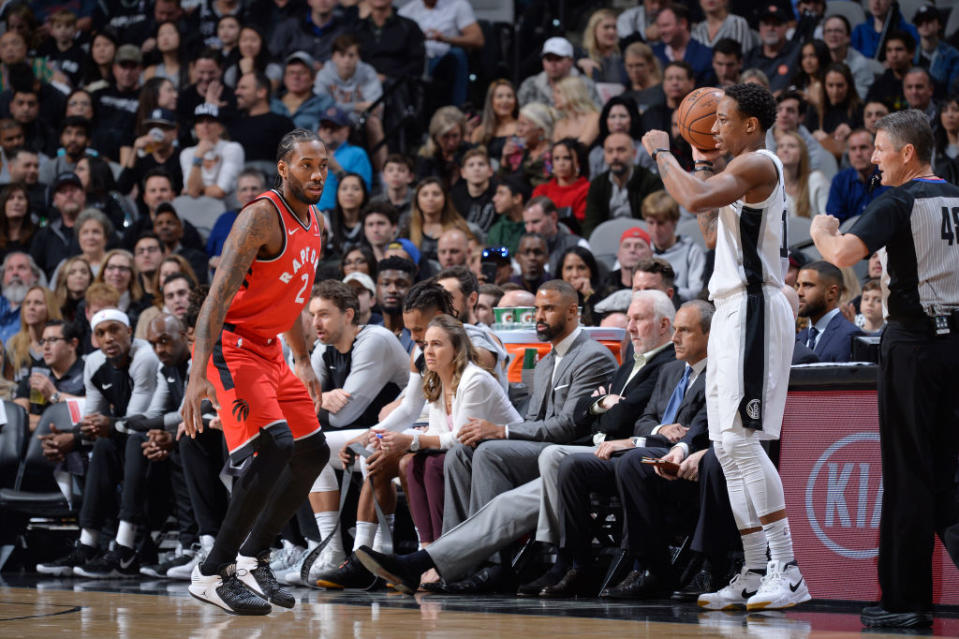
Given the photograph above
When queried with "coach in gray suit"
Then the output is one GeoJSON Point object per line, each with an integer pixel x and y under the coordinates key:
{"type": "Point", "coordinates": [479, 469]}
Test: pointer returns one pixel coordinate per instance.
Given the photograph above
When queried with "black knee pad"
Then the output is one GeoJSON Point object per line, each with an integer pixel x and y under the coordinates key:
{"type": "Point", "coordinates": [311, 454]}
{"type": "Point", "coordinates": [275, 443]}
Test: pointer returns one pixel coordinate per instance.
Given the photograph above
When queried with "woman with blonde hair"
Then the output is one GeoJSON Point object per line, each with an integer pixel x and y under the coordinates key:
{"type": "Point", "coordinates": [578, 116]}
{"type": "Point", "coordinates": [604, 62]}
{"type": "Point", "coordinates": [806, 191]}
{"type": "Point", "coordinates": [72, 281]}
{"type": "Point", "coordinates": [119, 271]}
{"type": "Point", "coordinates": [24, 349]}
{"type": "Point", "coordinates": [525, 154]}
{"type": "Point", "coordinates": [439, 156]}
{"type": "Point", "coordinates": [431, 214]}
{"type": "Point", "coordinates": [498, 121]}
{"type": "Point", "coordinates": [643, 69]}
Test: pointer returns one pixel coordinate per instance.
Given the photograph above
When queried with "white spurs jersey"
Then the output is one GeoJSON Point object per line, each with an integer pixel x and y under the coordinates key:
{"type": "Point", "coordinates": [751, 241]}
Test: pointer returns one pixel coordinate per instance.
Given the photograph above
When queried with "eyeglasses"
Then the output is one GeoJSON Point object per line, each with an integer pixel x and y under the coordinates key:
{"type": "Point", "coordinates": [50, 340]}
{"type": "Point", "coordinates": [118, 267]}
{"type": "Point", "coordinates": [496, 252]}
{"type": "Point", "coordinates": [143, 250]}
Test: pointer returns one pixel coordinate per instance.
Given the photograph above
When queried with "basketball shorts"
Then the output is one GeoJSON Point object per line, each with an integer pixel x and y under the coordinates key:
{"type": "Point", "coordinates": [749, 356]}
{"type": "Point", "coordinates": [256, 390]}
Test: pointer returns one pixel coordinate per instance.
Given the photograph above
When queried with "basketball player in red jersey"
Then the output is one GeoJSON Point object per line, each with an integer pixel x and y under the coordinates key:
{"type": "Point", "coordinates": [268, 412]}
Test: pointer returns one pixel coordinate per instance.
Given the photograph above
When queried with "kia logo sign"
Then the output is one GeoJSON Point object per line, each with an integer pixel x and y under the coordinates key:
{"type": "Point", "coordinates": [844, 496]}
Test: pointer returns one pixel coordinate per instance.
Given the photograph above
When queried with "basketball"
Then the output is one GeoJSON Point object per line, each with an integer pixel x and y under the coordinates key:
{"type": "Point", "coordinates": [696, 116]}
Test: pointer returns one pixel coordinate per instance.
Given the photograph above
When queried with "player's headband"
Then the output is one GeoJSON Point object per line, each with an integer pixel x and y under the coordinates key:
{"type": "Point", "coordinates": [109, 315]}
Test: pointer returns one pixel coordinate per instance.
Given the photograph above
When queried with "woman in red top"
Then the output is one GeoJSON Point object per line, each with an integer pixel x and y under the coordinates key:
{"type": "Point", "coordinates": [567, 187]}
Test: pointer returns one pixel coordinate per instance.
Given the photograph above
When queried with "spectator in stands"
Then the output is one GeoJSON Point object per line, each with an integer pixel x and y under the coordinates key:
{"type": "Point", "coordinates": [74, 140]}
{"type": "Point", "coordinates": [829, 335]}
{"type": "Point", "coordinates": [249, 184]}
{"type": "Point", "coordinates": [887, 88]}
{"type": "Point", "coordinates": [346, 224]}
{"type": "Point", "coordinates": [841, 109]}
{"type": "Point", "coordinates": [678, 80]}
{"type": "Point", "coordinates": [917, 88]}
{"type": "Point", "coordinates": [836, 33]}
{"type": "Point", "coordinates": [397, 177]}
{"type": "Point", "coordinates": [208, 89]}
{"type": "Point", "coordinates": [23, 349]}
{"type": "Point", "coordinates": [365, 290]}
{"type": "Point", "coordinates": [533, 256]}
{"type": "Point", "coordinates": [452, 248]}
{"type": "Point", "coordinates": [24, 168]}
{"type": "Point", "coordinates": [947, 138]}
{"type": "Point", "coordinates": [489, 296]}
{"type": "Point", "coordinates": [643, 72]}
{"type": "Point", "coordinates": [809, 79]}
{"type": "Point", "coordinates": [179, 293]}
{"type": "Point", "coordinates": [173, 65]}
{"type": "Point", "coordinates": [313, 33]}
{"type": "Point", "coordinates": [61, 376]}
{"type": "Point", "coordinates": [806, 191]}
{"type": "Point", "coordinates": [473, 195]}
{"type": "Point", "coordinates": [62, 50]}
{"type": "Point", "coordinates": [16, 226]}
{"type": "Point", "coordinates": [567, 188]}
{"type": "Point", "coordinates": [119, 271]}
{"type": "Point", "coordinates": [577, 117]}
{"type": "Point", "coordinates": [496, 267]}
{"type": "Point", "coordinates": [346, 158]}
{"type": "Point", "coordinates": [147, 255]}
{"type": "Point", "coordinates": [393, 44]}
{"type": "Point", "coordinates": [603, 61]}
{"type": "Point", "coordinates": [867, 35]}
{"type": "Point", "coordinates": [619, 115]}
{"type": "Point", "coordinates": [394, 277]}
{"type": "Point", "coordinates": [71, 284]}
{"type": "Point", "coordinates": [257, 128]}
{"type": "Point", "coordinates": [358, 258]}
{"type": "Point", "coordinates": [441, 155]}
{"type": "Point", "coordinates": [432, 214]}
{"type": "Point", "coordinates": [451, 31]}
{"type": "Point", "coordinates": [540, 216]}
{"type": "Point", "coordinates": [154, 149]}
{"type": "Point", "coordinates": [169, 228]}
{"type": "Point", "coordinates": [577, 266]}
{"type": "Point", "coordinates": [618, 192]}
{"type": "Point", "coordinates": [24, 109]}
{"type": "Point", "coordinates": [870, 318]}
{"type": "Point", "coordinates": [57, 240]}
{"type": "Point", "coordinates": [176, 294]}
{"type": "Point", "coordinates": [157, 188]}
{"type": "Point", "coordinates": [254, 58]}
{"type": "Point", "coordinates": [940, 58]}
{"type": "Point", "coordinates": [157, 93]}
{"type": "Point", "coordinates": [120, 380]}
{"type": "Point", "coordinates": [661, 214]}
{"type": "Point", "coordinates": [498, 120]}
{"type": "Point", "coordinates": [525, 154]}
{"type": "Point", "coordinates": [634, 247]}
{"type": "Point", "coordinates": [776, 56]}
{"type": "Point", "coordinates": [509, 202]}
{"type": "Point", "coordinates": [639, 22]}
{"type": "Point", "coordinates": [211, 167]}
{"type": "Point", "coordinates": [11, 139]}
{"type": "Point", "coordinates": [557, 56]}
{"type": "Point", "coordinates": [854, 188]}
{"type": "Point", "coordinates": [98, 66]}
{"type": "Point", "coordinates": [790, 113]}
{"type": "Point", "coordinates": [97, 178]}
{"type": "Point", "coordinates": [297, 100]}
{"type": "Point", "coordinates": [676, 41]}
{"type": "Point", "coordinates": [727, 64]}
{"type": "Point", "coordinates": [117, 104]}
{"type": "Point", "coordinates": [655, 273]}
{"type": "Point", "coordinates": [379, 219]}
{"type": "Point", "coordinates": [93, 231]}
{"type": "Point", "coordinates": [872, 112]}
{"type": "Point", "coordinates": [721, 24]}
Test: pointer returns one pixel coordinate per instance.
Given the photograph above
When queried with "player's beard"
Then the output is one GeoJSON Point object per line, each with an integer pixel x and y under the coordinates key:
{"type": "Point", "coordinates": [299, 193]}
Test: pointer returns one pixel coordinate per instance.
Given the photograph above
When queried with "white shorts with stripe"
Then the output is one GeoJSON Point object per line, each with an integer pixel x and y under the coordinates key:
{"type": "Point", "coordinates": [749, 353]}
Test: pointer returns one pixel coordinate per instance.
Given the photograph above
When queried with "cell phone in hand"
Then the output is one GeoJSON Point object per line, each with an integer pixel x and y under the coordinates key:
{"type": "Point", "coordinates": [668, 467]}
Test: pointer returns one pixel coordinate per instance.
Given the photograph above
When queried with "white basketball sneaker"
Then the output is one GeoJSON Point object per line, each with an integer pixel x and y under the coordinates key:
{"type": "Point", "coordinates": [733, 595]}
{"type": "Point", "coordinates": [782, 587]}
{"type": "Point", "coordinates": [325, 562]}
{"type": "Point", "coordinates": [225, 590]}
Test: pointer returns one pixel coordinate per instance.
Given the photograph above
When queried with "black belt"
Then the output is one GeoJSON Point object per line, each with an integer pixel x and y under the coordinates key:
{"type": "Point", "coordinates": [935, 325]}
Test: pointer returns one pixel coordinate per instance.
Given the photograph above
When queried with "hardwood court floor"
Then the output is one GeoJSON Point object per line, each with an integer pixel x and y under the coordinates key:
{"type": "Point", "coordinates": [34, 607]}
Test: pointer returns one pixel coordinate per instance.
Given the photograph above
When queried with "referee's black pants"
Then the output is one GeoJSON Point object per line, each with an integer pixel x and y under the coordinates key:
{"type": "Point", "coordinates": [919, 438]}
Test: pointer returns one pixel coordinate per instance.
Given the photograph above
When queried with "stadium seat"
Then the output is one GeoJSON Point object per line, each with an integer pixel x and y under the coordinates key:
{"type": "Point", "coordinates": [604, 240]}
{"type": "Point", "coordinates": [852, 11]}
{"type": "Point", "coordinates": [494, 11]}
{"type": "Point", "coordinates": [690, 228]}
{"type": "Point", "coordinates": [797, 231]}
{"type": "Point", "coordinates": [201, 212]}
{"type": "Point", "coordinates": [13, 434]}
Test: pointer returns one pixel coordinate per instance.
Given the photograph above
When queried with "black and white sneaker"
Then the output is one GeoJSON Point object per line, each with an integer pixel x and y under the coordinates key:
{"type": "Point", "coordinates": [160, 569]}
{"type": "Point", "coordinates": [119, 563]}
{"type": "Point", "coordinates": [350, 574]}
{"type": "Point", "coordinates": [63, 567]}
{"type": "Point", "coordinates": [255, 573]}
{"type": "Point", "coordinates": [225, 590]}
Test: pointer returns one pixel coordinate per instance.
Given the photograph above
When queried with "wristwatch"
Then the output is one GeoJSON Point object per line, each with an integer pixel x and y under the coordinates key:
{"type": "Point", "coordinates": [638, 442]}
{"type": "Point", "coordinates": [415, 444]}
{"type": "Point", "coordinates": [55, 398]}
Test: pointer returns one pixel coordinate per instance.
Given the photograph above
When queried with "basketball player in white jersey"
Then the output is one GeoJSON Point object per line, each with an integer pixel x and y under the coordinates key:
{"type": "Point", "coordinates": [752, 337]}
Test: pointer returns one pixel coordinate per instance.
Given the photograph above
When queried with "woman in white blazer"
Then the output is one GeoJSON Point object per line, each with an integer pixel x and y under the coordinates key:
{"type": "Point", "coordinates": [457, 390]}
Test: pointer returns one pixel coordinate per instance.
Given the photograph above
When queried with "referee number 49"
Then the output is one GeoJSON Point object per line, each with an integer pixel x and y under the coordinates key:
{"type": "Point", "coordinates": [950, 224]}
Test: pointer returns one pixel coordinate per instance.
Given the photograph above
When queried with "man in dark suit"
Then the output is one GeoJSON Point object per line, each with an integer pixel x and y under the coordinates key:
{"type": "Point", "coordinates": [830, 334]}
{"type": "Point", "coordinates": [673, 427]}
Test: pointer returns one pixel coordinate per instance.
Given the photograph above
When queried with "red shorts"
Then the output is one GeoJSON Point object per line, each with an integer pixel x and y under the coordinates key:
{"type": "Point", "coordinates": [256, 389]}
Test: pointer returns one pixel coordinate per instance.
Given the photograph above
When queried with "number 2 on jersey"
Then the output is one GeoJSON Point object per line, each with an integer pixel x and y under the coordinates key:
{"type": "Point", "coordinates": [299, 296]}
{"type": "Point", "coordinates": [950, 224]}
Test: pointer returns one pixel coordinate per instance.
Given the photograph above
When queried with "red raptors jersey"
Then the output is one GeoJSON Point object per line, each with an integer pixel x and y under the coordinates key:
{"type": "Point", "coordinates": [275, 290]}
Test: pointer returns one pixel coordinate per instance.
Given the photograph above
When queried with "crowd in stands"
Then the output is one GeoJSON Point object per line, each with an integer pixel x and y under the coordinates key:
{"type": "Point", "coordinates": [131, 134]}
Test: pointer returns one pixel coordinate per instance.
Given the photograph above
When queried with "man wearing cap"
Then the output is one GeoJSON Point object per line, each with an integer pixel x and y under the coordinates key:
{"type": "Point", "coordinates": [120, 380]}
{"type": "Point", "coordinates": [297, 100]}
{"type": "Point", "coordinates": [677, 42]}
{"type": "Point", "coordinates": [154, 149]}
{"type": "Point", "coordinates": [57, 240]}
{"type": "Point", "coordinates": [557, 56]}
{"type": "Point", "coordinates": [940, 58]}
{"type": "Point", "coordinates": [74, 141]}
{"type": "Point", "coordinates": [211, 167]}
{"type": "Point", "coordinates": [347, 158]}
{"type": "Point", "coordinates": [117, 104]}
{"type": "Point", "coordinates": [365, 290]}
{"type": "Point", "coordinates": [634, 246]}
{"type": "Point", "coordinates": [776, 56]}
{"type": "Point", "coordinates": [256, 128]}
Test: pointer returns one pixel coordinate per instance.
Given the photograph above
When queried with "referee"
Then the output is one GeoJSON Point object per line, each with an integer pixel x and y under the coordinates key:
{"type": "Point", "coordinates": [917, 222]}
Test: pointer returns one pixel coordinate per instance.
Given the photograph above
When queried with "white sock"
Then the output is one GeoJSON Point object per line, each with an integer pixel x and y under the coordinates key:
{"type": "Point", "coordinates": [780, 540]}
{"type": "Point", "coordinates": [365, 532]}
{"type": "Point", "coordinates": [206, 542]}
{"type": "Point", "coordinates": [754, 549]}
{"type": "Point", "coordinates": [378, 539]}
{"type": "Point", "coordinates": [89, 537]}
{"type": "Point", "coordinates": [326, 522]}
{"type": "Point", "coordinates": [126, 534]}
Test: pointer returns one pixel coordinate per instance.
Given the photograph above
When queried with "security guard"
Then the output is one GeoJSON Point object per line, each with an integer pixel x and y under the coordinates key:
{"type": "Point", "coordinates": [917, 222]}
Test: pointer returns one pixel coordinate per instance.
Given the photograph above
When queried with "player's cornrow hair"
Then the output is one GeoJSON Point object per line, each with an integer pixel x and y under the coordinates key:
{"type": "Point", "coordinates": [754, 102]}
{"type": "Point", "coordinates": [289, 141]}
{"type": "Point", "coordinates": [428, 295]}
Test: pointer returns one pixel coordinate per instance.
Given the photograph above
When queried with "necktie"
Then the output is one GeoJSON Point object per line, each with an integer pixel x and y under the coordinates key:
{"type": "Point", "coordinates": [813, 334]}
{"type": "Point", "coordinates": [672, 406]}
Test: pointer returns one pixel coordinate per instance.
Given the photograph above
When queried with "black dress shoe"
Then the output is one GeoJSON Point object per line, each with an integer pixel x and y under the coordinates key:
{"type": "Point", "coordinates": [434, 586]}
{"type": "Point", "coordinates": [387, 567]}
{"type": "Point", "coordinates": [574, 582]}
{"type": "Point", "coordinates": [492, 579]}
{"type": "Point", "coordinates": [701, 582]}
{"type": "Point", "coordinates": [879, 617]}
{"type": "Point", "coordinates": [549, 578]}
{"type": "Point", "coordinates": [638, 584]}
{"type": "Point", "coordinates": [350, 574]}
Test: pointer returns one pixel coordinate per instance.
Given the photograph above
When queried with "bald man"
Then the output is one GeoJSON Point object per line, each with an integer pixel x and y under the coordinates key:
{"type": "Point", "coordinates": [453, 248]}
{"type": "Point", "coordinates": [517, 297]}
{"type": "Point", "coordinates": [618, 192]}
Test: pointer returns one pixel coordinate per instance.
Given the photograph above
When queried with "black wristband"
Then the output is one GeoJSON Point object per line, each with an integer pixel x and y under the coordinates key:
{"type": "Point", "coordinates": [657, 152]}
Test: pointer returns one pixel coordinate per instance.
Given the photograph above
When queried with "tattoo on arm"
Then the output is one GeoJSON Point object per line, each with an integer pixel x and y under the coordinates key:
{"type": "Point", "coordinates": [709, 221]}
